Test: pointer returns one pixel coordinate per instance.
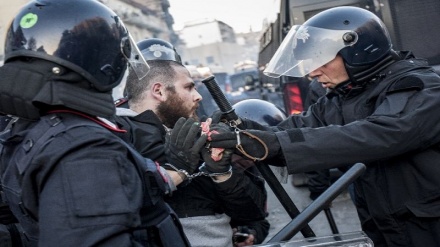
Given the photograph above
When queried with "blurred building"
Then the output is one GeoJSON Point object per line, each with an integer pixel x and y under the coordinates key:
{"type": "Point", "coordinates": [250, 42]}
{"type": "Point", "coordinates": [7, 11]}
{"type": "Point", "coordinates": [213, 43]}
{"type": "Point", "coordinates": [143, 19]}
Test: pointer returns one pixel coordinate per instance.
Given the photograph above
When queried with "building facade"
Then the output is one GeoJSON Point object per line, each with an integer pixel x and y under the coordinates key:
{"type": "Point", "coordinates": [213, 43]}
{"type": "Point", "coordinates": [142, 19]}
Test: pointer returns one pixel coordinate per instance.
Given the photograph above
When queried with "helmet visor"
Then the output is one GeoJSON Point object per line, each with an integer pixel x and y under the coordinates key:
{"type": "Point", "coordinates": [160, 52]}
{"type": "Point", "coordinates": [134, 57]}
{"type": "Point", "coordinates": [305, 49]}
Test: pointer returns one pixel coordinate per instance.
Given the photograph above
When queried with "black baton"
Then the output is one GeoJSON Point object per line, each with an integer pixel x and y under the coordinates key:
{"type": "Point", "coordinates": [266, 172]}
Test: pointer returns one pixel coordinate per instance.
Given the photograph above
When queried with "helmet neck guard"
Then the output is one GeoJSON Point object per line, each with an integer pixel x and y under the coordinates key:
{"type": "Point", "coordinates": [361, 76]}
{"type": "Point", "coordinates": [29, 87]}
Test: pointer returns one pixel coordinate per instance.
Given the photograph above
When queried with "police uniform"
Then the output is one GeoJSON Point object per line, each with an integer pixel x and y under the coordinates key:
{"type": "Point", "coordinates": [378, 124]}
{"type": "Point", "coordinates": [79, 181]}
{"type": "Point", "coordinates": [68, 179]}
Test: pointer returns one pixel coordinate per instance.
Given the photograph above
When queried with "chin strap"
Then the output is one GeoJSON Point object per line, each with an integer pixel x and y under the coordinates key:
{"type": "Point", "coordinates": [241, 149]}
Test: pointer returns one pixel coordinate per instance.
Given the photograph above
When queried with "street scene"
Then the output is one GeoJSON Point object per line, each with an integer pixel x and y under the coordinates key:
{"type": "Point", "coordinates": [164, 123]}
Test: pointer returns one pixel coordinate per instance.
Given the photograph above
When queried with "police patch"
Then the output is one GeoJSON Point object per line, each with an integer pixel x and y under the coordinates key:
{"type": "Point", "coordinates": [157, 50]}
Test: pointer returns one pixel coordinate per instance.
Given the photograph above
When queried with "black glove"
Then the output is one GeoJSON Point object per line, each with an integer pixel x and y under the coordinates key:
{"type": "Point", "coordinates": [217, 116]}
{"type": "Point", "coordinates": [250, 124]}
{"type": "Point", "coordinates": [313, 195]}
{"type": "Point", "coordinates": [255, 144]}
{"type": "Point", "coordinates": [221, 166]}
{"type": "Point", "coordinates": [182, 146]}
{"type": "Point", "coordinates": [318, 182]}
{"type": "Point", "coordinates": [215, 163]}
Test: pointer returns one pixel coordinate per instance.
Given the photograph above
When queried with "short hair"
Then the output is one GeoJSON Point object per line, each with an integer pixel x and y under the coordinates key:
{"type": "Point", "coordinates": [160, 70]}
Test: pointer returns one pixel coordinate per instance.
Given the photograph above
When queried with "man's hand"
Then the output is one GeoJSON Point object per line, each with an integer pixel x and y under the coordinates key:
{"type": "Point", "coordinates": [182, 145]}
{"type": "Point", "coordinates": [217, 160]}
{"type": "Point", "coordinates": [223, 165]}
{"type": "Point", "coordinates": [243, 236]}
{"type": "Point", "coordinates": [217, 117]}
{"type": "Point", "coordinates": [255, 143]}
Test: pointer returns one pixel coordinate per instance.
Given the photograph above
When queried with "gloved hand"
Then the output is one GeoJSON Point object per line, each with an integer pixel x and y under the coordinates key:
{"type": "Point", "coordinates": [221, 166]}
{"type": "Point", "coordinates": [315, 194]}
{"type": "Point", "coordinates": [250, 124]}
{"type": "Point", "coordinates": [183, 146]}
{"type": "Point", "coordinates": [219, 116]}
{"type": "Point", "coordinates": [217, 160]}
{"type": "Point", "coordinates": [255, 144]}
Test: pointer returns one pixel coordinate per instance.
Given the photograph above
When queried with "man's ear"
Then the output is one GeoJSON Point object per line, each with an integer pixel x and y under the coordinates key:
{"type": "Point", "coordinates": [158, 91]}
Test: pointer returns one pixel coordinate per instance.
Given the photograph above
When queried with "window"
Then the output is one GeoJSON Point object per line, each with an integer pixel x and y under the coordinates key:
{"type": "Point", "coordinates": [210, 60]}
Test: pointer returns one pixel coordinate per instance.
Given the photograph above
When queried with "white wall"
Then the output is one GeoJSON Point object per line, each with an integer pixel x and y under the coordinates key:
{"type": "Point", "coordinates": [224, 54]}
{"type": "Point", "coordinates": [201, 34]}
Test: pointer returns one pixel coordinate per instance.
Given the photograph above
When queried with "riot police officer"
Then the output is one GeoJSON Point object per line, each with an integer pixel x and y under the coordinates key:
{"type": "Point", "coordinates": [383, 111]}
{"type": "Point", "coordinates": [67, 177]}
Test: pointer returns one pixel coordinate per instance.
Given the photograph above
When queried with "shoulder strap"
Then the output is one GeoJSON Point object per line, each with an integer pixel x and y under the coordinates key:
{"type": "Point", "coordinates": [51, 125]}
{"type": "Point", "coordinates": [153, 182]}
{"type": "Point", "coordinates": [48, 127]}
{"type": "Point", "coordinates": [7, 218]}
{"type": "Point", "coordinates": [5, 132]}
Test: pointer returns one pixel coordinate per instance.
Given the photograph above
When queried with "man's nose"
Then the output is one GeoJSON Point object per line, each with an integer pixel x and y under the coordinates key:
{"type": "Point", "coordinates": [198, 96]}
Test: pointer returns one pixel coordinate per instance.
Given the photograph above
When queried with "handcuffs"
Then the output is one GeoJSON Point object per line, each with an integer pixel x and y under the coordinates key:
{"type": "Point", "coordinates": [202, 172]}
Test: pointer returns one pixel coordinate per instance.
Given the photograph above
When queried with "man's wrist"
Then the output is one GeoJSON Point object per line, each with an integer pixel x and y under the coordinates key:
{"type": "Point", "coordinates": [222, 178]}
{"type": "Point", "coordinates": [204, 168]}
{"type": "Point", "coordinates": [184, 175]}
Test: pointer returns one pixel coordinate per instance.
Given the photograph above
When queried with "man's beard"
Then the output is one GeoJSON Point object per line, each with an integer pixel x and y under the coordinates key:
{"type": "Point", "coordinates": [172, 109]}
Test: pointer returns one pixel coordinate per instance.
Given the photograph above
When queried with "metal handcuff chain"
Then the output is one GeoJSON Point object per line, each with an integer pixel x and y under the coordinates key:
{"type": "Point", "coordinates": [186, 175]}
{"type": "Point", "coordinates": [241, 149]}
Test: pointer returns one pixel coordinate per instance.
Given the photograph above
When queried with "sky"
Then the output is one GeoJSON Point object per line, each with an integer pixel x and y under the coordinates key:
{"type": "Point", "coordinates": [241, 15]}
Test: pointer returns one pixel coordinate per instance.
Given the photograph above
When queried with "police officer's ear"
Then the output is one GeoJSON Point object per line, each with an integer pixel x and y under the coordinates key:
{"type": "Point", "coordinates": [158, 91]}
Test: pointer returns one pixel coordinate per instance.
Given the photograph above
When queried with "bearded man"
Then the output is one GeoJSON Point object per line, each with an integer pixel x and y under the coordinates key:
{"type": "Point", "coordinates": [213, 207]}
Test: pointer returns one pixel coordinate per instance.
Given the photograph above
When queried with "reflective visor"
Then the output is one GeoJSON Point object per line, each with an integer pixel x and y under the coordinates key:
{"type": "Point", "coordinates": [160, 52]}
{"type": "Point", "coordinates": [134, 57]}
{"type": "Point", "coordinates": [305, 49]}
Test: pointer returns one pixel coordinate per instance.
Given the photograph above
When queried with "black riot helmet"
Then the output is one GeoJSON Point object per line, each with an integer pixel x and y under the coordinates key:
{"type": "Point", "coordinates": [356, 34]}
{"type": "Point", "coordinates": [82, 35]}
{"type": "Point", "coordinates": [260, 111]}
{"type": "Point", "coordinates": [158, 49]}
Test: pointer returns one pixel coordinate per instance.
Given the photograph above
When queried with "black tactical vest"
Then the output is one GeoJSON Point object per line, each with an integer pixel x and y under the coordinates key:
{"type": "Point", "coordinates": [160, 225]}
